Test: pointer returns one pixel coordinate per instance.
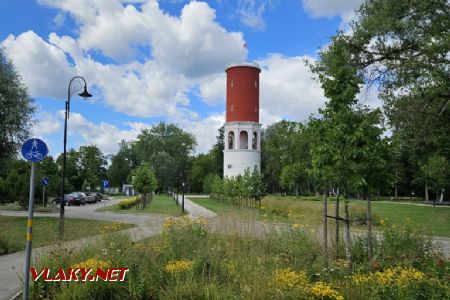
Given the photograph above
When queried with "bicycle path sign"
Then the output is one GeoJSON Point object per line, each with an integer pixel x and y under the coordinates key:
{"type": "Point", "coordinates": [34, 150]}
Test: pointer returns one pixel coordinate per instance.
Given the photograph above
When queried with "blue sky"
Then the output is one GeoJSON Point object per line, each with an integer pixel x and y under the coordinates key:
{"type": "Point", "coordinates": [150, 61]}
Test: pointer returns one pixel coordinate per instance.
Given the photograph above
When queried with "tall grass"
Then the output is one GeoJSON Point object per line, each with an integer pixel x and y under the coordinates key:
{"type": "Point", "coordinates": [193, 260]}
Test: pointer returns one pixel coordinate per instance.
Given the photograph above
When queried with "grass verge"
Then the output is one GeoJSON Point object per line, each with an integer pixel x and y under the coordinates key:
{"type": "Point", "coordinates": [161, 204]}
{"type": "Point", "coordinates": [15, 206]}
{"type": "Point", "coordinates": [45, 231]}
{"type": "Point", "coordinates": [434, 221]}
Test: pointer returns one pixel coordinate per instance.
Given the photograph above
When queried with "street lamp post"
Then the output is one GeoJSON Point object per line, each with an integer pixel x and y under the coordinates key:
{"type": "Point", "coordinates": [84, 95]}
{"type": "Point", "coordinates": [182, 198]}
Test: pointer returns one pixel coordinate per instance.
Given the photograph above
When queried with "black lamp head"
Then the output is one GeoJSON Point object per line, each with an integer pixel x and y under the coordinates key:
{"type": "Point", "coordinates": [85, 94]}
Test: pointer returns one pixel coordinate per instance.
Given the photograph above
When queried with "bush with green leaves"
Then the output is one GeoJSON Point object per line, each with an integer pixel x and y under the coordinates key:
{"type": "Point", "coordinates": [127, 203]}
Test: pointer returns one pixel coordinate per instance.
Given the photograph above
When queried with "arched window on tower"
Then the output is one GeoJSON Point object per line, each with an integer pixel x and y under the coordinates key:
{"type": "Point", "coordinates": [231, 140]}
{"type": "Point", "coordinates": [255, 140]}
{"type": "Point", "coordinates": [243, 140]}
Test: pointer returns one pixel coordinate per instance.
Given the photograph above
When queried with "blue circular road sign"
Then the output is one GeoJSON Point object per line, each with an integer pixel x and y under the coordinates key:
{"type": "Point", "coordinates": [44, 181]}
{"type": "Point", "coordinates": [34, 150]}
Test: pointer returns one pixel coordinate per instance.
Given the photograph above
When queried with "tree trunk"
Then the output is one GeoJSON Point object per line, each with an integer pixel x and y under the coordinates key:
{"type": "Point", "coordinates": [336, 214]}
{"type": "Point", "coordinates": [441, 199]}
{"type": "Point", "coordinates": [427, 198]}
{"type": "Point", "coordinates": [308, 186]}
{"type": "Point", "coordinates": [369, 230]}
{"type": "Point", "coordinates": [396, 185]}
{"type": "Point", "coordinates": [325, 231]}
{"type": "Point", "coordinates": [347, 237]}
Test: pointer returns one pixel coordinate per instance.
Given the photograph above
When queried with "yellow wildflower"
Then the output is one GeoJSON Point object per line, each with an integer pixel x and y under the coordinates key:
{"type": "Point", "coordinates": [288, 279]}
{"type": "Point", "coordinates": [321, 290]}
{"type": "Point", "coordinates": [92, 263]}
{"type": "Point", "coordinates": [177, 266]}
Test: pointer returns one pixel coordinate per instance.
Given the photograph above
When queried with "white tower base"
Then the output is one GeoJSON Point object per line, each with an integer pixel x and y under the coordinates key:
{"type": "Point", "coordinates": [237, 161]}
{"type": "Point", "coordinates": [242, 148]}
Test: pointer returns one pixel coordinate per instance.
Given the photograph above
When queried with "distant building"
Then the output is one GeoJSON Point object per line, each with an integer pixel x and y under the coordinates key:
{"type": "Point", "coordinates": [128, 190]}
{"type": "Point", "coordinates": [242, 129]}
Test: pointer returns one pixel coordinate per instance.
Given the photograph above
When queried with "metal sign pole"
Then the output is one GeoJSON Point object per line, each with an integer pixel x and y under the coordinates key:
{"type": "Point", "coordinates": [43, 196]}
{"type": "Point", "coordinates": [29, 234]}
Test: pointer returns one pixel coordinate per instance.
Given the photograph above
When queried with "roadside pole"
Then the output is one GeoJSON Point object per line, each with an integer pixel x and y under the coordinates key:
{"type": "Point", "coordinates": [182, 200]}
{"type": "Point", "coordinates": [43, 196]}
{"type": "Point", "coordinates": [33, 150]}
{"type": "Point", "coordinates": [29, 234]}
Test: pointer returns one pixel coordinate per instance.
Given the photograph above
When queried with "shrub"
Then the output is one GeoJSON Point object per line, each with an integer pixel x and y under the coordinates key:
{"type": "Point", "coordinates": [358, 215]}
{"type": "Point", "coordinates": [127, 203]}
{"type": "Point", "coordinates": [4, 247]}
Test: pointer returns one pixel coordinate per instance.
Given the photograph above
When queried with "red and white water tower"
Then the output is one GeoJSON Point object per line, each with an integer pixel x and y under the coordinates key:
{"type": "Point", "coordinates": [242, 129]}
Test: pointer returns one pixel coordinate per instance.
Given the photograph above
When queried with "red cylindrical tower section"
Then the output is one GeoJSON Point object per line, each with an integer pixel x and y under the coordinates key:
{"type": "Point", "coordinates": [243, 93]}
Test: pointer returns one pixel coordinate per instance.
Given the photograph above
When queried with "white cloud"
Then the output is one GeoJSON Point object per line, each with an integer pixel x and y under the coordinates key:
{"type": "Point", "coordinates": [192, 43]}
{"type": "Point", "coordinates": [104, 135]}
{"type": "Point", "coordinates": [213, 88]}
{"type": "Point", "coordinates": [287, 89]}
{"type": "Point", "coordinates": [205, 130]}
{"type": "Point", "coordinates": [330, 8]}
{"type": "Point", "coordinates": [178, 52]}
{"type": "Point", "coordinates": [46, 123]}
{"type": "Point", "coordinates": [43, 67]}
{"type": "Point", "coordinates": [251, 13]}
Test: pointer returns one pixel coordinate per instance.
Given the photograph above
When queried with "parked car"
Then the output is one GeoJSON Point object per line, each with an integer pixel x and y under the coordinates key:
{"type": "Point", "coordinates": [99, 196]}
{"type": "Point", "coordinates": [69, 199]}
{"type": "Point", "coordinates": [91, 197]}
{"type": "Point", "coordinates": [57, 200]}
{"type": "Point", "coordinates": [82, 197]}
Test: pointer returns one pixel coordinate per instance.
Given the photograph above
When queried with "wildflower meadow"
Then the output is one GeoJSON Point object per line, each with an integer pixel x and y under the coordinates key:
{"type": "Point", "coordinates": [189, 260]}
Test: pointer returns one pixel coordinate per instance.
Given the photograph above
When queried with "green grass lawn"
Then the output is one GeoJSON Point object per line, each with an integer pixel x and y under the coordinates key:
{"type": "Point", "coordinates": [37, 208]}
{"type": "Point", "coordinates": [161, 204]}
{"type": "Point", "coordinates": [45, 231]}
{"type": "Point", "coordinates": [429, 220]}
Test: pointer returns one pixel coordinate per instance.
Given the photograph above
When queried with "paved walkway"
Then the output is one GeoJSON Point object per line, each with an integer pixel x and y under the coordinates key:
{"type": "Point", "coordinates": [429, 204]}
{"type": "Point", "coordinates": [194, 209]}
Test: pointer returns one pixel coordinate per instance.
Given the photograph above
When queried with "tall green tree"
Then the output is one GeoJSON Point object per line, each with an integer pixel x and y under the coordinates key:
{"type": "Point", "coordinates": [16, 111]}
{"type": "Point", "coordinates": [167, 148]}
{"type": "Point", "coordinates": [92, 165]}
{"type": "Point", "coordinates": [73, 179]}
{"type": "Point", "coordinates": [348, 137]}
{"type": "Point", "coordinates": [406, 56]}
{"type": "Point", "coordinates": [122, 163]}
{"type": "Point", "coordinates": [145, 183]}
{"type": "Point", "coordinates": [202, 165]}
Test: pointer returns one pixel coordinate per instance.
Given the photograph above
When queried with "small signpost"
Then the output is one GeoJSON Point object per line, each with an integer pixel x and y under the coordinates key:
{"type": "Point", "coordinates": [33, 150]}
{"type": "Point", "coordinates": [44, 182]}
{"type": "Point", "coordinates": [105, 184]}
